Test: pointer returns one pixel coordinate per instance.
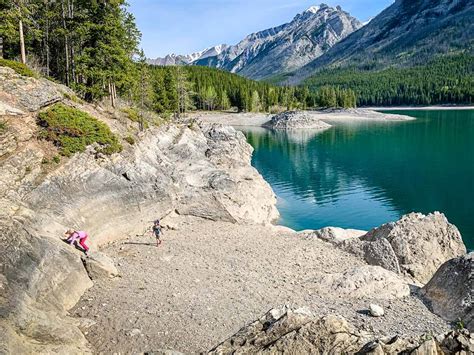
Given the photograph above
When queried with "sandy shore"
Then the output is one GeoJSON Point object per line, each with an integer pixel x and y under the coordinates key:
{"type": "Point", "coordinates": [327, 116]}
{"type": "Point", "coordinates": [209, 279]}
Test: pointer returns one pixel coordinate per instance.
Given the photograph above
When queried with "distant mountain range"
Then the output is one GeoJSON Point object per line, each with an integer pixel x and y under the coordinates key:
{"type": "Point", "coordinates": [280, 49]}
{"type": "Point", "coordinates": [408, 32]}
{"type": "Point", "coordinates": [176, 59]}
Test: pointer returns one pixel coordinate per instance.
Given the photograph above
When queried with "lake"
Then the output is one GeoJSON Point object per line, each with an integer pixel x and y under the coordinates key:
{"type": "Point", "coordinates": [361, 175]}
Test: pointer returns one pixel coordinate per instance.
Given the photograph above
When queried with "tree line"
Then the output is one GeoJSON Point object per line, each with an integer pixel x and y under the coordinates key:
{"type": "Point", "coordinates": [203, 88]}
{"type": "Point", "coordinates": [86, 44]}
{"type": "Point", "coordinates": [445, 80]}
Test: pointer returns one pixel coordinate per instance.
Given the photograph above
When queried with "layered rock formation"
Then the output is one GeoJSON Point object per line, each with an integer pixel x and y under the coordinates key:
{"type": "Point", "coordinates": [203, 172]}
{"type": "Point", "coordinates": [296, 331]}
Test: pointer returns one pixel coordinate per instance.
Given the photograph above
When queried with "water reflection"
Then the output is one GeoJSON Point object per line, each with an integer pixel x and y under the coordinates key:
{"type": "Point", "coordinates": [362, 175]}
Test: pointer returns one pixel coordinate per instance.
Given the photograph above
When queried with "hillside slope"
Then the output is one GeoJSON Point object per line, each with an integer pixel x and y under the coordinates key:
{"type": "Point", "coordinates": [406, 33]}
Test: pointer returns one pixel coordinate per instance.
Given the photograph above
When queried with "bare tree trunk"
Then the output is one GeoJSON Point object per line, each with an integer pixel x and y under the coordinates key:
{"type": "Point", "coordinates": [66, 43]}
{"type": "Point", "coordinates": [73, 64]}
{"type": "Point", "coordinates": [22, 43]}
{"type": "Point", "coordinates": [47, 42]}
{"type": "Point", "coordinates": [112, 93]}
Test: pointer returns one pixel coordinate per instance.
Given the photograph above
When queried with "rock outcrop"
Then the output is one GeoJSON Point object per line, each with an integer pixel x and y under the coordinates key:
{"type": "Point", "coordinates": [416, 245]}
{"type": "Point", "coordinates": [292, 120]}
{"type": "Point", "coordinates": [450, 293]}
{"type": "Point", "coordinates": [296, 331]}
{"type": "Point", "coordinates": [363, 282]}
{"type": "Point", "coordinates": [196, 171]}
{"type": "Point", "coordinates": [421, 243]}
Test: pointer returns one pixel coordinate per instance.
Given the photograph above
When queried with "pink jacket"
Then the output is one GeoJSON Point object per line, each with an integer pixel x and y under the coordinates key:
{"type": "Point", "coordinates": [78, 235]}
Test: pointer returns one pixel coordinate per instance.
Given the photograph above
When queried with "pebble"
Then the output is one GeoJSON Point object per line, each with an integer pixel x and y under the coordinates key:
{"type": "Point", "coordinates": [134, 332]}
{"type": "Point", "coordinates": [376, 311]}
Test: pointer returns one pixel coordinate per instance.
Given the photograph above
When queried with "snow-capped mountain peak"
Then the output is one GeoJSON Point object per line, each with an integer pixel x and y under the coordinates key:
{"type": "Point", "coordinates": [313, 9]}
{"type": "Point", "coordinates": [283, 48]}
{"type": "Point", "coordinates": [177, 59]}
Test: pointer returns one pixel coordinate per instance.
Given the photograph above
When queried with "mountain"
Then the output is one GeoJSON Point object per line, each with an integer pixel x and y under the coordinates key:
{"type": "Point", "coordinates": [276, 50]}
{"type": "Point", "coordinates": [176, 59]}
{"type": "Point", "coordinates": [407, 33]}
{"type": "Point", "coordinates": [287, 47]}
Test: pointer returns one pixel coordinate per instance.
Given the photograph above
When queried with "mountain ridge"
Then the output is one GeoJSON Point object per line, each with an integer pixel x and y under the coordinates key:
{"type": "Point", "coordinates": [405, 33]}
{"type": "Point", "coordinates": [282, 48]}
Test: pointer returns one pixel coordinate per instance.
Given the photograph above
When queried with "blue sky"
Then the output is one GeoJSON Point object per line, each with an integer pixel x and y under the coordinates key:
{"type": "Point", "coordinates": [186, 26]}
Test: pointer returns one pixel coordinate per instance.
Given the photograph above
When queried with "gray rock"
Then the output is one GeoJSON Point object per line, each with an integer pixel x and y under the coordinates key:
{"type": "Point", "coordinates": [380, 252]}
{"type": "Point", "coordinates": [99, 266]}
{"type": "Point", "coordinates": [291, 331]}
{"type": "Point", "coordinates": [295, 120]}
{"type": "Point", "coordinates": [376, 311]}
{"type": "Point", "coordinates": [23, 93]}
{"type": "Point", "coordinates": [416, 245]}
{"type": "Point", "coordinates": [450, 293]}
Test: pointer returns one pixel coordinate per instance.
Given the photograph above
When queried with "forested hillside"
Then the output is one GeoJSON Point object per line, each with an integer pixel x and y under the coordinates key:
{"type": "Point", "coordinates": [87, 45]}
{"type": "Point", "coordinates": [447, 79]}
{"type": "Point", "coordinates": [92, 46]}
{"type": "Point", "coordinates": [179, 89]}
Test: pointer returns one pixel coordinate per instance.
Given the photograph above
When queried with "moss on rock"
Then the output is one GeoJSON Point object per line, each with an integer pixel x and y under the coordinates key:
{"type": "Point", "coordinates": [72, 130]}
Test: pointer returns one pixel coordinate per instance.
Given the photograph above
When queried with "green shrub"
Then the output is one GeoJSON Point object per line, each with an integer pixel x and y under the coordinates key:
{"type": "Point", "coordinates": [3, 126]}
{"type": "Point", "coordinates": [73, 130]}
{"type": "Point", "coordinates": [71, 97]}
{"type": "Point", "coordinates": [130, 140]}
{"type": "Point", "coordinates": [57, 159]}
{"type": "Point", "coordinates": [20, 68]}
{"type": "Point", "coordinates": [132, 114]}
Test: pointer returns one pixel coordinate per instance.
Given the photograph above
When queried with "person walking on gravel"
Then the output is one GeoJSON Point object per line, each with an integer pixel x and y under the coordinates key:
{"type": "Point", "coordinates": [157, 231]}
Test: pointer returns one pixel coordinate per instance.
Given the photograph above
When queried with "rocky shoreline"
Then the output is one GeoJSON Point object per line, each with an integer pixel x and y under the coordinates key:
{"type": "Point", "coordinates": [223, 264]}
{"type": "Point", "coordinates": [291, 120]}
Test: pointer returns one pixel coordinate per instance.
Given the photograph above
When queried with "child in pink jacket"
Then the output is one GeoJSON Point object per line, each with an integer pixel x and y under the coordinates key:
{"type": "Point", "coordinates": [77, 238]}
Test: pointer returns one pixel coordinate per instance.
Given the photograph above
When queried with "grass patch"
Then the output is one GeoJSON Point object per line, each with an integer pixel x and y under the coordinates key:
{"type": "Point", "coordinates": [20, 68]}
{"type": "Point", "coordinates": [72, 130]}
{"type": "Point", "coordinates": [72, 97]}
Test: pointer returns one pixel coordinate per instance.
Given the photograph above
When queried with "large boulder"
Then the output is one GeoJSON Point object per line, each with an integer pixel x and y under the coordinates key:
{"type": "Point", "coordinates": [99, 266]}
{"type": "Point", "coordinates": [450, 293]}
{"type": "Point", "coordinates": [416, 245]}
{"type": "Point", "coordinates": [373, 282]}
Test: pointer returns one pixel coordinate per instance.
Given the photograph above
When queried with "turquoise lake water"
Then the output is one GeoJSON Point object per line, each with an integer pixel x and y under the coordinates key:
{"type": "Point", "coordinates": [361, 175]}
